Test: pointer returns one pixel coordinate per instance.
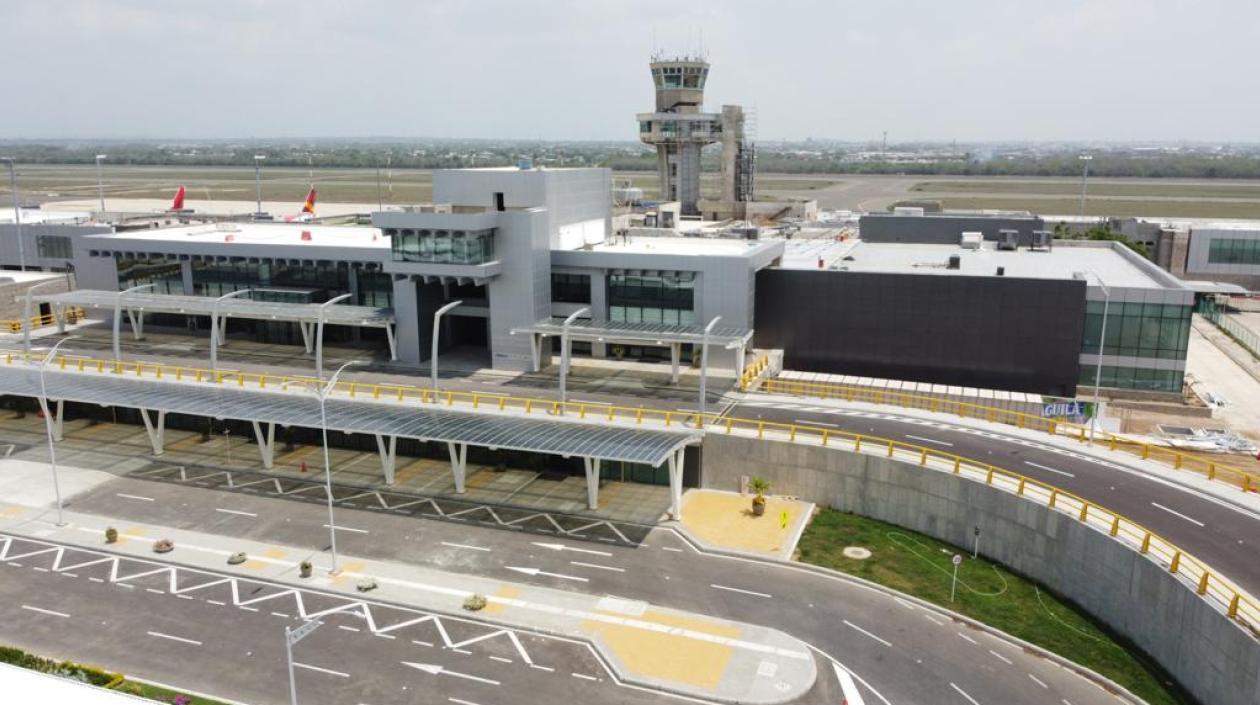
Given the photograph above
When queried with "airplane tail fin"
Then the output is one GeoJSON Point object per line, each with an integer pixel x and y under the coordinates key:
{"type": "Point", "coordinates": [309, 206]}
{"type": "Point", "coordinates": [178, 203]}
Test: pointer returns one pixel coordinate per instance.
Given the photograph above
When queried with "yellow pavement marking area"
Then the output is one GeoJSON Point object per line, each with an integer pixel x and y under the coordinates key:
{"type": "Point", "coordinates": [507, 592]}
{"type": "Point", "coordinates": [343, 575]}
{"type": "Point", "coordinates": [275, 553]}
{"type": "Point", "coordinates": [666, 656]}
{"type": "Point", "coordinates": [11, 510]}
{"type": "Point", "coordinates": [725, 519]}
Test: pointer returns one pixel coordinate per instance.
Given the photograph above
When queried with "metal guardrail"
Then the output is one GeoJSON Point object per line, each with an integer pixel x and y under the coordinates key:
{"type": "Point", "coordinates": [753, 371]}
{"type": "Point", "coordinates": [1233, 601]}
{"type": "Point", "coordinates": [1178, 460]}
{"type": "Point", "coordinates": [15, 326]}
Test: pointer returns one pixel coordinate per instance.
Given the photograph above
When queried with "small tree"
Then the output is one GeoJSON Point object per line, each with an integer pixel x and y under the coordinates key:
{"type": "Point", "coordinates": [760, 486]}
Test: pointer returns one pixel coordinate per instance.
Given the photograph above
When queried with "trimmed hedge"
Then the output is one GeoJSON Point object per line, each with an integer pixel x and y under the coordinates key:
{"type": "Point", "coordinates": [64, 669]}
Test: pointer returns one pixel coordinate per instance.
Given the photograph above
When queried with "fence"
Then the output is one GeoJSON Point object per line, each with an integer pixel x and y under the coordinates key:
{"type": "Point", "coordinates": [1245, 336]}
{"type": "Point", "coordinates": [15, 326]}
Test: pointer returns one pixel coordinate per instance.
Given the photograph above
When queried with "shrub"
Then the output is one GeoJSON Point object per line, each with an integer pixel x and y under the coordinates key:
{"type": "Point", "coordinates": [475, 602]}
{"type": "Point", "coordinates": [111, 535]}
{"type": "Point", "coordinates": [163, 546]}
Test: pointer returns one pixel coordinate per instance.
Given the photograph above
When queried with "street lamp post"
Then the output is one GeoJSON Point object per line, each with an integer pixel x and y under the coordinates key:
{"type": "Point", "coordinates": [118, 317]}
{"type": "Point", "coordinates": [1085, 158]}
{"type": "Point", "coordinates": [319, 335]}
{"type": "Point", "coordinates": [564, 351]}
{"type": "Point", "coordinates": [17, 213]}
{"type": "Point", "coordinates": [258, 160]}
{"type": "Point", "coordinates": [48, 425]}
{"type": "Point", "coordinates": [291, 638]}
{"type": "Point", "coordinates": [1102, 339]}
{"type": "Point", "coordinates": [100, 184]}
{"type": "Point", "coordinates": [433, 356]}
{"type": "Point", "coordinates": [704, 368]}
{"type": "Point", "coordinates": [215, 340]}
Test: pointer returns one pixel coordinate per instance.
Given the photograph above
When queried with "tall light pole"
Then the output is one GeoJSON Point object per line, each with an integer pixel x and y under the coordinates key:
{"type": "Point", "coordinates": [1102, 339]}
{"type": "Point", "coordinates": [319, 335]}
{"type": "Point", "coordinates": [100, 183]}
{"type": "Point", "coordinates": [564, 351]}
{"type": "Point", "coordinates": [214, 326]}
{"type": "Point", "coordinates": [291, 638]}
{"type": "Point", "coordinates": [1085, 159]}
{"type": "Point", "coordinates": [118, 317]}
{"type": "Point", "coordinates": [258, 160]}
{"type": "Point", "coordinates": [48, 425]}
{"type": "Point", "coordinates": [433, 356]}
{"type": "Point", "coordinates": [704, 368]}
{"type": "Point", "coordinates": [17, 213]}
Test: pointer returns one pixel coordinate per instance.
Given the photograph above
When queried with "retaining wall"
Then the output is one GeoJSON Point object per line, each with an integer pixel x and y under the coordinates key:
{"type": "Point", "coordinates": [1209, 654]}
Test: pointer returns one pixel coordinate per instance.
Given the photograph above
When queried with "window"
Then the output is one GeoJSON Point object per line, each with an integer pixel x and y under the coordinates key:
{"type": "Point", "coordinates": [164, 275]}
{"type": "Point", "coordinates": [571, 288]}
{"type": "Point", "coordinates": [1137, 329]}
{"type": "Point", "coordinates": [1223, 250]}
{"type": "Point", "coordinates": [668, 299]}
{"type": "Point", "coordinates": [54, 246]}
{"type": "Point", "coordinates": [443, 246]}
{"type": "Point", "coordinates": [1132, 378]}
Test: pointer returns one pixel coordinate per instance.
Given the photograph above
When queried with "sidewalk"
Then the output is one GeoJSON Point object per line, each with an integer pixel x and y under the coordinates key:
{"type": "Point", "coordinates": [655, 647]}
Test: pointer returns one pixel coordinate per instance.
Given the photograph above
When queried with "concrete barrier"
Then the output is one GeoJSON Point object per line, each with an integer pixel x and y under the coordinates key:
{"type": "Point", "coordinates": [1211, 656]}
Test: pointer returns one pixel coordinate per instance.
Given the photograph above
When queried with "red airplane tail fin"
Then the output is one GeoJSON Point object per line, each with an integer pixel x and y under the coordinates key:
{"type": "Point", "coordinates": [309, 206]}
{"type": "Point", "coordinates": [178, 203]}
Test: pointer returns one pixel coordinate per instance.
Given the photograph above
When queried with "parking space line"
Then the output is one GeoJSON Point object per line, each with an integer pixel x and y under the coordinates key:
{"type": "Point", "coordinates": [180, 639]}
{"type": "Point", "coordinates": [50, 613]}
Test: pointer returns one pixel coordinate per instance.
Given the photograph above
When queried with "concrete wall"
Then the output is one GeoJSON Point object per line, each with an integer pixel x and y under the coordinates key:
{"type": "Point", "coordinates": [944, 229]}
{"type": "Point", "coordinates": [1204, 650]}
{"type": "Point", "coordinates": [11, 256]}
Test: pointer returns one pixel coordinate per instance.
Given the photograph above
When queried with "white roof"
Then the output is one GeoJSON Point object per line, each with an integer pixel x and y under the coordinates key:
{"type": "Point", "coordinates": [39, 215]}
{"type": "Point", "coordinates": [722, 247]}
{"type": "Point", "coordinates": [288, 234]}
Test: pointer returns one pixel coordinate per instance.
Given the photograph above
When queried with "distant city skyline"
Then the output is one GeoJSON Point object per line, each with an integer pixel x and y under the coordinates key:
{"type": "Point", "coordinates": [575, 70]}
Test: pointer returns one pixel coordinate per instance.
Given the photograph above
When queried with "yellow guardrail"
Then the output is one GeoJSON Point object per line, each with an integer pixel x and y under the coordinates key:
{"type": "Point", "coordinates": [753, 371]}
{"type": "Point", "coordinates": [1239, 606]}
{"type": "Point", "coordinates": [15, 325]}
{"type": "Point", "coordinates": [1243, 479]}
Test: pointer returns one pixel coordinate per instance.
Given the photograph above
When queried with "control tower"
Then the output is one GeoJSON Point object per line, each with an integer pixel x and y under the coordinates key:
{"type": "Point", "coordinates": [678, 129]}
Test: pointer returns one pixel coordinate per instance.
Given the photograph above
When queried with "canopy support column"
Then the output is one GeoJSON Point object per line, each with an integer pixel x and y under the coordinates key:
{"type": "Point", "coordinates": [675, 352]}
{"type": "Point", "coordinates": [57, 418]}
{"type": "Point", "coordinates": [459, 463]}
{"type": "Point", "coordinates": [388, 451]}
{"type": "Point", "coordinates": [59, 315]}
{"type": "Point", "coordinates": [266, 443]}
{"type": "Point", "coordinates": [675, 484]}
{"type": "Point", "coordinates": [155, 429]}
{"type": "Point", "coordinates": [591, 465]}
{"type": "Point", "coordinates": [137, 323]}
{"type": "Point", "coordinates": [393, 346]}
{"type": "Point", "coordinates": [535, 351]}
{"type": "Point", "coordinates": [306, 335]}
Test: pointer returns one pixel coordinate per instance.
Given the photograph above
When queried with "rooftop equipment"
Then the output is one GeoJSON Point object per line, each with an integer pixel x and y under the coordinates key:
{"type": "Point", "coordinates": [1008, 240]}
{"type": "Point", "coordinates": [972, 240]}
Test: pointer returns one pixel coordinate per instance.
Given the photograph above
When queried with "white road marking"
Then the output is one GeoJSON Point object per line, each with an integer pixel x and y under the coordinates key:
{"type": "Point", "coordinates": [1002, 658]}
{"type": "Point", "coordinates": [180, 639]}
{"type": "Point", "coordinates": [600, 567]}
{"type": "Point", "coordinates": [739, 590]}
{"type": "Point", "coordinates": [548, 669]}
{"type": "Point", "coordinates": [934, 620]}
{"type": "Point", "coordinates": [436, 670]}
{"type": "Point", "coordinates": [349, 629]}
{"type": "Point", "coordinates": [280, 614]}
{"type": "Point", "coordinates": [964, 694]}
{"type": "Point", "coordinates": [501, 659]}
{"type": "Point", "coordinates": [1038, 681]}
{"type": "Point", "coordinates": [671, 548]}
{"type": "Point", "coordinates": [584, 677]}
{"type": "Point", "coordinates": [816, 423]}
{"type": "Point", "coordinates": [155, 591]}
{"type": "Point", "coordinates": [562, 547]}
{"type": "Point", "coordinates": [235, 511]}
{"type": "Point", "coordinates": [96, 580]}
{"type": "Point", "coordinates": [930, 440]}
{"type": "Point", "coordinates": [1039, 466]}
{"type": "Point", "coordinates": [41, 610]}
{"type": "Point", "coordinates": [457, 701]}
{"type": "Point", "coordinates": [905, 604]}
{"type": "Point", "coordinates": [964, 637]}
{"type": "Point", "coordinates": [535, 571]}
{"type": "Point", "coordinates": [216, 602]}
{"type": "Point", "coordinates": [852, 696]}
{"type": "Point", "coordinates": [463, 545]}
{"type": "Point", "coordinates": [421, 643]}
{"type": "Point", "coordinates": [309, 667]}
{"type": "Point", "coordinates": [855, 627]}
{"type": "Point", "coordinates": [134, 496]}
{"type": "Point", "coordinates": [346, 528]}
{"type": "Point", "coordinates": [1196, 522]}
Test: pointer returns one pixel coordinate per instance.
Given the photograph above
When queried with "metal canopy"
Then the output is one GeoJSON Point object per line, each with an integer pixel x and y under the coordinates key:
{"type": "Point", "coordinates": [232, 308]}
{"type": "Point", "coordinates": [293, 408]}
{"type": "Point", "coordinates": [641, 333]}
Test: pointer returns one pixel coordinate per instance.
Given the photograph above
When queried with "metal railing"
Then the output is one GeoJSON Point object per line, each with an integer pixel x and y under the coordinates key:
{"type": "Point", "coordinates": [1243, 335]}
{"type": "Point", "coordinates": [15, 325]}
{"type": "Point", "coordinates": [1178, 460]}
{"type": "Point", "coordinates": [753, 371]}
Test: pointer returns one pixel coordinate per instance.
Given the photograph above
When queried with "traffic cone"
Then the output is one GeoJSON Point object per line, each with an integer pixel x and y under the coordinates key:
{"type": "Point", "coordinates": [302, 466]}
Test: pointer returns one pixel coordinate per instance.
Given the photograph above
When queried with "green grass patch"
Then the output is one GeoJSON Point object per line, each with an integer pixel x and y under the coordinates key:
{"type": "Point", "coordinates": [920, 566]}
{"type": "Point", "coordinates": [1131, 189]}
{"type": "Point", "coordinates": [1109, 206]}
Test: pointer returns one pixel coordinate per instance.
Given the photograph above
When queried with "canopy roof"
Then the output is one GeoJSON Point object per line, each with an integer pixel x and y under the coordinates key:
{"type": "Point", "coordinates": [238, 307]}
{"type": "Point", "coordinates": [639, 333]}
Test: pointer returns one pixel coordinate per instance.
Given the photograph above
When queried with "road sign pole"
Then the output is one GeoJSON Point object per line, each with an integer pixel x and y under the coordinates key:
{"type": "Point", "coordinates": [953, 588]}
{"type": "Point", "coordinates": [976, 552]}
{"type": "Point", "coordinates": [288, 652]}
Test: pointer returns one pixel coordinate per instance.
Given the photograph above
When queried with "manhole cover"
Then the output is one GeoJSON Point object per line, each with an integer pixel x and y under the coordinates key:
{"type": "Point", "coordinates": [856, 553]}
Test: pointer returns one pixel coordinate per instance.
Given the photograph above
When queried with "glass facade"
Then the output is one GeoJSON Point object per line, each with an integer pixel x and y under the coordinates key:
{"type": "Point", "coordinates": [1230, 250]}
{"type": "Point", "coordinates": [571, 288]}
{"type": "Point", "coordinates": [1143, 330]}
{"type": "Point", "coordinates": [321, 281]}
{"type": "Point", "coordinates": [680, 76]}
{"type": "Point", "coordinates": [163, 274]}
{"type": "Point", "coordinates": [54, 246]}
{"type": "Point", "coordinates": [667, 298]}
{"type": "Point", "coordinates": [1133, 378]}
{"type": "Point", "coordinates": [442, 246]}
{"type": "Point", "coordinates": [375, 289]}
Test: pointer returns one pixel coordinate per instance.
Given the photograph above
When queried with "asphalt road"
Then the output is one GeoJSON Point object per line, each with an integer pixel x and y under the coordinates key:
{"type": "Point", "coordinates": [1216, 532]}
{"type": "Point", "coordinates": [908, 654]}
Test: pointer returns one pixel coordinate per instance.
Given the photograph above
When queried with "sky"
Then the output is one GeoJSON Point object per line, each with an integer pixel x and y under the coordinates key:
{"type": "Point", "coordinates": [922, 70]}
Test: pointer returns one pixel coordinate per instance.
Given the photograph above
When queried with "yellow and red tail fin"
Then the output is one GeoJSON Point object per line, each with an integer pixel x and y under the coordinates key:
{"type": "Point", "coordinates": [178, 203]}
{"type": "Point", "coordinates": [309, 206]}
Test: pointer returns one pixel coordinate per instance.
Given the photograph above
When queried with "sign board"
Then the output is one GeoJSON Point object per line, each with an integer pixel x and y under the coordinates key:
{"type": "Point", "coordinates": [1063, 409]}
{"type": "Point", "coordinates": [957, 559]}
{"type": "Point", "coordinates": [296, 635]}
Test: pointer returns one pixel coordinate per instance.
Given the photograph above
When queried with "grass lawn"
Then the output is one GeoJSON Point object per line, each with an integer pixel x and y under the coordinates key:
{"type": "Point", "coordinates": [1153, 187]}
{"type": "Point", "coordinates": [920, 566]}
{"type": "Point", "coordinates": [1109, 206]}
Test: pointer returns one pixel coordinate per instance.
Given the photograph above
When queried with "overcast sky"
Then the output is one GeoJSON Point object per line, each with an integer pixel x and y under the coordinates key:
{"type": "Point", "coordinates": [971, 70]}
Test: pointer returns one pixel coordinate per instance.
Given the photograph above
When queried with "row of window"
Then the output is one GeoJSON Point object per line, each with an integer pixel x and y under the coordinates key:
{"type": "Point", "coordinates": [54, 246]}
{"type": "Point", "coordinates": [668, 299]}
{"type": "Point", "coordinates": [1228, 250]}
{"type": "Point", "coordinates": [571, 288]}
{"type": "Point", "coordinates": [1132, 378]}
{"type": "Point", "coordinates": [442, 246]}
{"type": "Point", "coordinates": [680, 76]}
{"type": "Point", "coordinates": [309, 283]}
{"type": "Point", "coordinates": [1142, 330]}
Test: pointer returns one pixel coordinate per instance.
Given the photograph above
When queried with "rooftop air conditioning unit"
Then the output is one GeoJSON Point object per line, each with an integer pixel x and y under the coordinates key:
{"type": "Point", "coordinates": [972, 241]}
{"type": "Point", "coordinates": [1042, 240]}
{"type": "Point", "coordinates": [1008, 240]}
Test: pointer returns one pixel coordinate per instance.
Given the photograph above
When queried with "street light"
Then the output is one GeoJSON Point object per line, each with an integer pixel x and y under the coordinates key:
{"type": "Point", "coordinates": [17, 213]}
{"type": "Point", "coordinates": [48, 425]}
{"type": "Point", "coordinates": [433, 357]}
{"type": "Point", "coordinates": [291, 638]}
{"type": "Point", "coordinates": [1085, 158]}
{"type": "Point", "coordinates": [118, 316]}
{"type": "Point", "coordinates": [704, 368]}
{"type": "Point", "coordinates": [214, 326]}
{"type": "Point", "coordinates": [258, 160]}
{"type": "Point", "coordinates": [564, 351]}
{"type": "Point", "coordinates": [100, 185]}
{"type": "Point", "coordinates": [1102, 338]}
{"type": "Point", "coordinates": [321, 392]}
{"type": "Point", "coordinates": [319, 335]}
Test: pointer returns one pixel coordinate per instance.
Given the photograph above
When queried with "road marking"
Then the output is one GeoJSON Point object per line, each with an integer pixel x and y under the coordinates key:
{"type": "Point", "coordinates": [671, 548]}
{"type": "Point", "coordinates": [903, 603]}
{"type": "Point", "coordinates": [275, 614]}
{"type": "Point", "coordinates": [501, 659]}
{"type": "Point", "coordinates": [41, 610]}
{"type": "Point", "coordinates": [1002, 658]}
{"type": "Point", "coordinates": [745, 592]}
{"type": "Point", "coordinates": [535, 571]}
{"type": "Point", "coordinates": [216, 602]}
{"type": "Point", "coordinates": [180, 639]}
{"type": "Point", "coordinates": [436, 670]}
{"type": "Point", "coordinates": [349, 629]}
{"type": "Point", "coordinates": [881, 640]}
{"type": "Point", "coordinates": [96, 580]}
{"type": "Point", "coordinates": [235, 511]}
{"type": "Point", "coordinates": [463, 545]}
{"type": "Point", "coordinates": [600, 567]}
{"type": "Point", "coordinates": [935, 621]}
{"type": "Point", "coordinates": [852, 696]}
{"type": "Point", "coordinates": [562, 547]}
{"type": "Point", "coordinates": [346, 528]}
{"type": "Point", "coordinates": [967, 638]}
{"type": "Point", "coordinates": [321, 670]}
{"type": "Point", "coordinates": [457, 701]}
{"type": "Point", "coordinates": [548, 669]}
{"type": "Point", "coordinates": [816, 423]}
{"type": "Point", "coordinates": [1038, 681]}
{"type": "Point", "coordinates": [964, 694]}
{"type": "Point", "coordinates": [134, 496]}
{"type": "Point", "coordinates": [584, 677]}
{"type": "Point", "coordinates": [421, 643]}
{"type": "Point", "coordinates": [1047, 468]}
{"type": "Point", "coordinates": [40, 570]}
{"type": "Point", "coordinates": [1196, 522]}
{"type": "Point", "coordinates": [155, 591]}
{"type": "Point", "coordinates": [185, 597]}
{"type": "Point", "coordinates": [930, 440]}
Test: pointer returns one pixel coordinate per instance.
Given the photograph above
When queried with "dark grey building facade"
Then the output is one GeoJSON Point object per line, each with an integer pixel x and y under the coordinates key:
{"type": "Point", "coordinates": [945, 228]}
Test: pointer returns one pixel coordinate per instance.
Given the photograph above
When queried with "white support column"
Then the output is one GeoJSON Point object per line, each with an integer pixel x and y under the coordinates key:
{"type": "Point", "coordinates": [266, 443]}
{"type": "Point", "coordinates": [388, 456]}
{"type": "Point", "coordinates": [675, 484]}
{"type": "Point", "coordinates": [306, 335]}
{"type": "Point", "coordinates": [58, 419]}
{"type": "Point", "coordinates": [675, 352]}
{"type": "Point", "coordinates": [459, 463]}
{"type": "Point", "coordinates": [739, 362]}
{"type": "Point", "coordinates": [59, 314]}
{"type": "Point", "coordinates": [223, 330]}
{"type": "Point", "coordinates": [393, 345]}
{"type": "Point", "coordinates": [535, 351]}
{"type": "Point", "coordinates": [137, 323]}
{"type": "Point", "coordinates": [591, 465]}
{"type": "Point", "coordinates": [156, 430]}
